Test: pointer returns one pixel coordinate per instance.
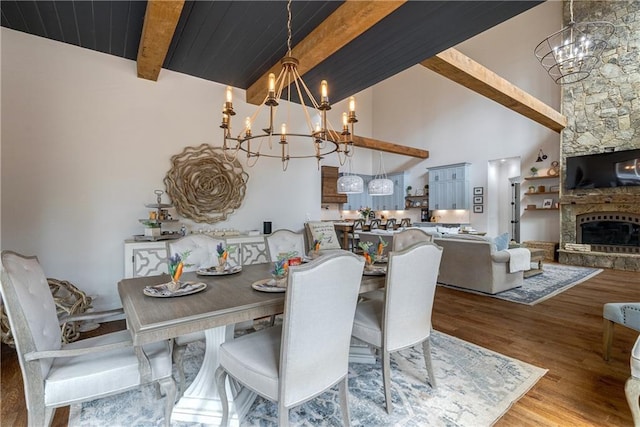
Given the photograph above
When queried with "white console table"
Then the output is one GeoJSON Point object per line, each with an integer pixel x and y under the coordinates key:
{"type": "Point", "coordinates": [150, 258]}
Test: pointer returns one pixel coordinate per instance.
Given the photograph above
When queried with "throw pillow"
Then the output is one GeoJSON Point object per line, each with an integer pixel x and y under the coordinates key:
{"type": "Point", "coordinates": [325, 232]}
{"type": "Point", "coordinates": [501, 242]}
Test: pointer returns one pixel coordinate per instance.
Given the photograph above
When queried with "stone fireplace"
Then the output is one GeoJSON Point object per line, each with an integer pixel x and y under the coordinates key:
{"type": "Point", "coordinates": [603, 114]}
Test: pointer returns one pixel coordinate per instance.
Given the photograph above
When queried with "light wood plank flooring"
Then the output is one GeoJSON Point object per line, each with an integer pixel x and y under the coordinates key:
{"type": "Point", "coordinates": [562, 334]}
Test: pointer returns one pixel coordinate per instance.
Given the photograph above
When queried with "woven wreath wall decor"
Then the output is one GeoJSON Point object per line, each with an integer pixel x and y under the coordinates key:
{"type": "Point", "coordinates": [203, 185]}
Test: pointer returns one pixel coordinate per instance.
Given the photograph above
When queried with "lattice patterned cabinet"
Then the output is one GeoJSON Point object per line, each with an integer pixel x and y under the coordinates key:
{"type": "Point", "coordinates": [150, 258]}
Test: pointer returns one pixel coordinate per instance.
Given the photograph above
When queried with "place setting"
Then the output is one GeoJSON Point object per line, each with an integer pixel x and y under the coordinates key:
{"type": "Point", "coordinates": [279, 274]}
{"type": "Point", "coordinates": [373, 254]}
{"type": "Point", "coordinates": [175, 288]}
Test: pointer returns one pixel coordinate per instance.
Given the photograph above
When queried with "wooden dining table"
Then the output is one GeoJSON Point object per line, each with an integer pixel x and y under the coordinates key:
{"type": "Point", "coordinates": [226, 300]}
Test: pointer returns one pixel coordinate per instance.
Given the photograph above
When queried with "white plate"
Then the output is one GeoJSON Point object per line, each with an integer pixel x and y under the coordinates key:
{"type": "Point", "coordinates": [211, 271]}
{"type": "Point", "coordinates": [162, 291]}
{"type": "Point", "coordinates": [267, 285]}
{"type": "Point", "coordinates": [375, 271]}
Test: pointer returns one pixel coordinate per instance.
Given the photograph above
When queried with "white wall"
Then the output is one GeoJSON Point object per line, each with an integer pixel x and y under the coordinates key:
{"type": "Point", "coordinates": [85, 143]}
{"type": "Point", "coordinates": [420, 108]}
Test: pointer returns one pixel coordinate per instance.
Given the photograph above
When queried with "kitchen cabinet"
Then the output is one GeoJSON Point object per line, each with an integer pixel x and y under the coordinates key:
{"type": "Point", "coordinates": [329, 186]}
{"type": "Point", "coordinates": [449, 186]}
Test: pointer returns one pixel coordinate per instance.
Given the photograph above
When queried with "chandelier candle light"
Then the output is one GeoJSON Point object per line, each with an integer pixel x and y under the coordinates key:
{"type": "Point", "coordinates": [570, 54]}
{"type": "Point", "coordinates": [321, 138]}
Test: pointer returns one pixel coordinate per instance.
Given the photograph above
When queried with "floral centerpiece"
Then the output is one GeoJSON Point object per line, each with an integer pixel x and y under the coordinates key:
{"type": "Point", "coordinates": [365, 213]}
{"type": "Point", "coordinates": [223, 254]}
{"type": "Point", "coordinates": [372, 252]}
{"type": "Point", "coordinates": [279, 272]}
{"type": "Point", "coordinates": [176, 266]}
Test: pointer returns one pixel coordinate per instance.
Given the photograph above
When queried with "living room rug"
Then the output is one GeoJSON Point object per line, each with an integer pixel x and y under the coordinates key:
{"type": "Point", "coordinates": [475, 387]}
{"type": "Point", "coordinates": [555, 278]}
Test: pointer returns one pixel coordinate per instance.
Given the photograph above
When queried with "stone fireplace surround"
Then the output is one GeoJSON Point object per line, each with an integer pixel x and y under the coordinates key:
{"type": "Point", "coordinates": [594, 201]}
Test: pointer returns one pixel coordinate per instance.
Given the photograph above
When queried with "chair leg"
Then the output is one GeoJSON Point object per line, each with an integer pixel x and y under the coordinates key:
{"type": "Point", "coordinates": [426, 351]}
{"type": "Point", "coordinates": [168, 389]}
{"type": "Point", "coordinates": [283, 415]}
{"type": "Point", "coordinates": [177, 356]}
{"type": "Point", "coordinates": [607, 338]}
{"type": "Point", "coordinates": [632, 391]}
{"type": "Point", "coordinates": [386, 379]}
{"type": "Point", "coordinates": [344, 401]}
{"type": "Point", "coordinates": [221, 377]}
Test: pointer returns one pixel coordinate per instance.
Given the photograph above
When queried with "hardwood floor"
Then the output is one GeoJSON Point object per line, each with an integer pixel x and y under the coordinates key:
{"type": "Point", "coordinates": [562, 334]}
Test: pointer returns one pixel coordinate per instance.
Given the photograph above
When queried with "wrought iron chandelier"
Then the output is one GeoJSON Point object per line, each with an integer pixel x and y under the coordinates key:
{"type": "Point", "coordinates": [320, 140]}
{"type": "Point", "coordinates": [570, 54]}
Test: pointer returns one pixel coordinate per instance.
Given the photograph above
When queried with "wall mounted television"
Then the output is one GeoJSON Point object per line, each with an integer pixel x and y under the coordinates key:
{"type": "Point", "coordinates": [603, 170]}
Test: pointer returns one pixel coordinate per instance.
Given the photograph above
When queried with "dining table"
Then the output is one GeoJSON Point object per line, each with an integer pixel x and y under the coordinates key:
{"type": "Point", "coordinates": [226, 299]}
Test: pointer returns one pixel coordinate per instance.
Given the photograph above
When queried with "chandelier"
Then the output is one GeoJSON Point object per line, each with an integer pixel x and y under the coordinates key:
{"type": "Point", "coordinates": [317, 141]}
{"type": "Point", "coordinates": [380, 185]}
{"type": "Point", "coordinates": [570, 54]}
{"type": "Point", "coordinates": [350, 183]}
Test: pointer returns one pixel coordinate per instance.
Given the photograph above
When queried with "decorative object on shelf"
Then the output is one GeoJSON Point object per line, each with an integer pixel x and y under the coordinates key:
{"type": "Point", "coordinates": [203, 185]}
{"type": "Point", "coordinates": [541, 188]}
{"type": "Point", "coordinates": [320, 140]}
{"type": "Point", "coordinates": [554, 188]}
{"type": "Point", "coordinates": [554, 170]}
{"type": "Point", "coordinates": [478, 191]}
{"type": "Point", "coordinates": [534, 171]}
{"type": "Point", "coordinates": [409, 188]}
{"type": "Point", "coordinates": [478, 209]}
{"type": "Point", "coordinates": [547, 203]}
{"type": "Point", "coordinates": [350, 183]}
{"type": "Point", "coordinates": [532, 189]}
{"type": "Point", "coordinates": [569, 55]}
{"type": "Point", "coordinates": [380, 185]}
{"type": "Point", "coordinates": [478, 200]}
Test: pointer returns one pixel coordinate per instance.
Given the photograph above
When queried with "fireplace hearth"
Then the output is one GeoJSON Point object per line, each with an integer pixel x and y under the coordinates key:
{"type": "Point", "coordinates": [613, 232]}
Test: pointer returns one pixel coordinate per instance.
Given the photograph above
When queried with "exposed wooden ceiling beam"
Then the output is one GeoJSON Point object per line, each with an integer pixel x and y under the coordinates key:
{"type": "Point", "coordinates": [455, 66]}
{"type": "Point", "coordinates": [341, 27]}
{"type": "Point", "coordinates": [160, 20]}
{"type": "Point", "coordinates": [389, 147]}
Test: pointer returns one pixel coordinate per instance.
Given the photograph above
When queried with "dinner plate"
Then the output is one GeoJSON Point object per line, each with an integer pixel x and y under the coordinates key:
{"type": "Point", "coordinates": [267, 285]}
{"type": "Point", "coordinates": [375, 271]}
{"type": "Point", "coordinates": [211, 271]}
{"type": "Point", "coordinates": [162, 291]}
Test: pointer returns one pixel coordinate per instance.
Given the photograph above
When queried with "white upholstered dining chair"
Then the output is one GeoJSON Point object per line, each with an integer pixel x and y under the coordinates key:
{"type": "Point", "coordinates": [285, 241]}
{"type": "Point", "coordinates": [623, 313]}
{"type": "Point", "coordinates": [403, 318]}
{"type": "Point", "coordinates": [57, 374]}
{"type": "Point", "coordinates": [632, 386]}
{"type": "Point", "coordinates": [307, 354]}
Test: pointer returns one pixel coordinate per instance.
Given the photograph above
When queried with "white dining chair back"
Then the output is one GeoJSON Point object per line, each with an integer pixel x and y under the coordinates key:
{"type": "Point", "coordinates": [404, 239]}
{"type": "Point", "coordinates": [56, 374]}
{"type": "Point", "coordinates": [285, 241]}
{"type": "Point", "coordinates": [402, 318]}
{"type": "Point", "coordinates": [309, 352]}
{"type": "Point", "coordinates": [202, 251]}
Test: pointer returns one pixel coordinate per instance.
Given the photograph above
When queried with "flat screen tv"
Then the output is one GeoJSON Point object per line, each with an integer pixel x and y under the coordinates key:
{"type": "Point", "coordinates": [603, 170]}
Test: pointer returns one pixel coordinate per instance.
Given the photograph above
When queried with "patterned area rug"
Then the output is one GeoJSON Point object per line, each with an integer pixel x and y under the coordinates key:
{"type": "Point", "coordinates": [555, 278]}
{"type": "Point", "coordinates": [475, 387]}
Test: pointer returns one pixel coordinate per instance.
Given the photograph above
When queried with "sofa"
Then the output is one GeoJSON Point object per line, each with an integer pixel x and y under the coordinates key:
{"type": "Point", "coordinates": [472, 262]}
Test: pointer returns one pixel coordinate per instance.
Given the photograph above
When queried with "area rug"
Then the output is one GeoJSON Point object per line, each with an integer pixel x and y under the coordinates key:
{"type": "Point", "coordinates": [475, 387]}
{"type": "Point", "coordinates": [556, 278]}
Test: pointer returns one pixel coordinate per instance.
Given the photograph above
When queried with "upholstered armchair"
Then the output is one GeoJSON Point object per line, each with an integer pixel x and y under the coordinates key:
{"type": "Point", "coordinates": [632, 387]}
{"type": "Point", "coordinates": [57, 374]}
{"type": "Point", "coordinates": [309, 352]}
{"type": "Point", "coordinates": [403, 318]}
{"type": "Point", "coordinates": [622, 313]}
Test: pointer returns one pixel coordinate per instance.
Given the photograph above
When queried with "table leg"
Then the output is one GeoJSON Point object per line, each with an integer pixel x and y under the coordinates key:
{"type": "Point", "coordinates": [201, 401]}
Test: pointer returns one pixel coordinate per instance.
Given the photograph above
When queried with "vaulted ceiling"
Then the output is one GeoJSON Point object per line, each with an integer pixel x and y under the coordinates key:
{"type": "Point", "coordinates": [353, 44]}
{"type": "Point", "coordinates": [236, 42]}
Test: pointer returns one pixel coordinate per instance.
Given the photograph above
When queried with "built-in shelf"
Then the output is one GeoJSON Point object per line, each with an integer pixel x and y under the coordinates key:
{"type": "Point", "coordinates": [540, 209]}
{"type": "Point", "coordinates": [531, 178]}
{"type": "Point", "coordinates": [528, 193]}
